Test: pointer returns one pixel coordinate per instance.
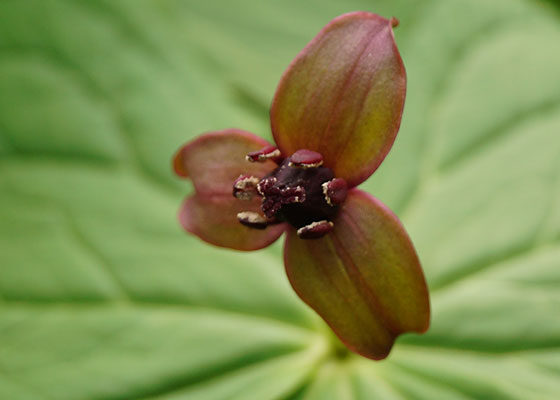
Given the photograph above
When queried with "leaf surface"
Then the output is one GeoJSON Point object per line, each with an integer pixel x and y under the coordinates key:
{"type": "Point", "coordinates": [102, 296]}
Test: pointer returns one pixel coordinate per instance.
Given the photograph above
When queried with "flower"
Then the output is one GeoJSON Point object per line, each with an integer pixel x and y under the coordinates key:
{"type": "Point", "coordinates": [334, 117]}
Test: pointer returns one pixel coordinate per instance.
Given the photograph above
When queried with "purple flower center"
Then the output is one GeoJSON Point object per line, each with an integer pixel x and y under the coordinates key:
{"type": "Point", "coordinates": [296, 194]}
{"type": "Point", "coordinates": [300, 191]}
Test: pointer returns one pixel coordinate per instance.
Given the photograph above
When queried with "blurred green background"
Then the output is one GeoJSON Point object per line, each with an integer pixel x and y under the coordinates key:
{"type": "Point", "coordinates": [102, 296]}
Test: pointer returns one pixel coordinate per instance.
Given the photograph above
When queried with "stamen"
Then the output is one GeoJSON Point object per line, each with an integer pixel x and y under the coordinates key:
{"type": "Point", "coordinates": [270, 207]}
{"type": "Point", "coordinates": [306, 159]}
{"type": "Point", "coordinates": [335, 191]}
{"type": "Point", "coordinates": [252, 219]}
{"type": "Point", "coordinates": [267, 153]}
{"type": "Point", "coordinates": [266, 184]}
{"type": "Point", "coordinates": [315, 230]}
{"type": "Point", "coordinates": [245, 187]}
{"type": "Point", "coordinates": [292, 195]}
{"type": "Point", "coordinates": [274, 197]}
{"type": "Point", "coordinates": [299, 191]}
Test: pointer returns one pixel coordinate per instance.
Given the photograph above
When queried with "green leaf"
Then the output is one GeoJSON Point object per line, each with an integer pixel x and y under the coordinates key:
{"type": "Point", "coordinates": [102, 296]}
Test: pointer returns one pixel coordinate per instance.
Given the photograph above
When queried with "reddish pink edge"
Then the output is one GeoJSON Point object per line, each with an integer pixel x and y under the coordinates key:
{"type": "Point", "coordinates": [176, 162]}
{"type": "Point", "coordinates": [405, 237]}
{"type": "Point", "coordinates": [184, 222]}
{"type": "Point", "coordinates": [388, 144]}
{"type": "Point", "coordinates": [375, 164]}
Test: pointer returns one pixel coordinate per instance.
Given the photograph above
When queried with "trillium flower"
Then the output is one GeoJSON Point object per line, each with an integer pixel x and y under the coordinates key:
{"type": "Point", "coordinates": [334, 117]}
